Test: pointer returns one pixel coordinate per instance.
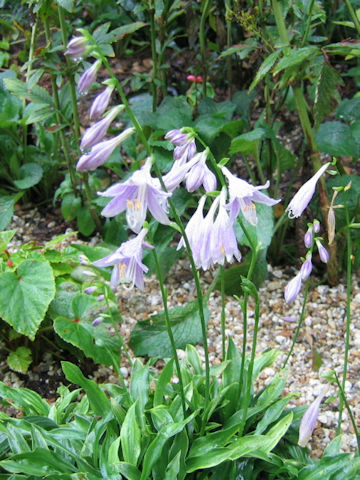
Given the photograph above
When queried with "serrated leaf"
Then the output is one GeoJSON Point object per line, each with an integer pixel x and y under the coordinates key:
{"type": "Point", "coordinates": [265, 67]}
{"type": "Point", "coordinates": [150, 337]}
{"type": "Point", "coordinates": [294, 57]}
{"type": "Point", "coordinates": [20, 359]}
{"type": "Point", "coordinates": [325, 90]}
{"type": "Point", "coordinates": [26, 295]}
{"type": "Point", "coordinates": [29, 175]}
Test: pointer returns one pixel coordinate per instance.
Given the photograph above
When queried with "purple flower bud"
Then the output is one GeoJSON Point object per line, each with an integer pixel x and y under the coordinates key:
{"type": "Point", "coordinates": [306, 269]}
{"type": "Point", "coordinates": [76, 48]}
{"type": "Point", "coordinates": [97, 321]}
{"type": "Point", "coordinates": [177, 137]}
{"type": "Point", "coordinates": [101, 103]}
{"type": "Point", "coordinates": [293, 288]}
{"type": "Point", "coordinates": [308, 238]}
{"type": "Point", "coordinates": [324, 254]}
{"type": "Point", "coordinates": [89, 290]}
{"type": "Point", "coordinates": [100, 298]}
{"type": "Point", "coordinates": [101, 152]}
{"type": "Point", "coordinates": [88, 77]}
{"type": "Point", "coordinates": [308, 421]}
{"type": "Point", "coordinates": [96, 132]}
{"type": "Point", "coordinates": [316, 226]}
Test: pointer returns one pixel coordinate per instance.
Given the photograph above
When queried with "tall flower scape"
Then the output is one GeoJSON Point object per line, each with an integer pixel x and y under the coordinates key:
{"type": "Point", "coordinates": [211, 234]}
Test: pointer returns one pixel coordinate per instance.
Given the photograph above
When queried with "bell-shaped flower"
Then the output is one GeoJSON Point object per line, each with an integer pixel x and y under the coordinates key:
{"type": "Point", "coordinates": [127, 261]}
{"type": "Point", "coordinates": [200, 174]}
{"type": "Point", "coordinates": [293, 288]}
{"type": "Point", "coordinates": [101, 102]}
{"type": "Point", "coordinates": [309, 419]}
{"type": "Point", "coordinates": [223, 241]}
{"type": "Point", "coordinates": [243, 197]}
{"type": "Point", "coordinates": [304, 195]}
{"type": "Point", "coordinates": [101, 152]}
{"type": "Point", "coordinates": [88, 77]}
{"type": "Point", "coordinates": [211, 241]}
{"type": "Point", "coordinates": [137, 194]}
{"type": "Point", "coordinates": [97, 132]}
{"type": "Point", "coordinates": [76, 48]}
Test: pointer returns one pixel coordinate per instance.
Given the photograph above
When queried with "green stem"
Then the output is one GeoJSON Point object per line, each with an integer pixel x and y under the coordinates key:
{"type": "Point", "coordinates": [251, 366]}
{"type": "Point", "coordinates": [76, 120]}
{"type": "Point", "coordinates": [348, 304]}
{"type": "Point", "coordinates": [153, 54]}
{"type": "Point", "coordinates": [254, 255]}
{"type": "Point", "coordinates": [308, 24]}
{"type": "Point", "coordinates": [352, 419]}
{"type": "Point", "coordinates": [353, 16]}
{"type": "Point", "coordinates": [223, 315]}
{"type": "Point", "coordinates": [168, 327]}
{"type": "Point", "coordinates": [280, 22]}
{"type": "Point", "coordinates": [55, 96]}
{"type": "Point", "coordinates": [228, 44]}
{"type": "Point", "coordinates": [301, 319]}
{"type": "Point", "coordinates": [70, 76]}
{"type": "Point", "coordinates": [202, 36]}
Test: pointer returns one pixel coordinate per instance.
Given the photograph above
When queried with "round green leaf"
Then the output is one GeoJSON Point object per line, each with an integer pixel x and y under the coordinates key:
{"type": "Point", "coordinates": [336, 138]}
{"type": "Point", "coordinates": [26, 295]}
{"type": "Point", "coordinates": [29, 175]}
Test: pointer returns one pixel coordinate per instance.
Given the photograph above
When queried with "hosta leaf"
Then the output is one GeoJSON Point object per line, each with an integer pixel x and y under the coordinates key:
{"type": "Point", "coordinates": [150, 337]}
{"type": "Point", "coordinates": [26, 295]}
{"type": "Point", "coordinates": [336, 138]}
{"type": "Point", "coordinates": [29, 175]}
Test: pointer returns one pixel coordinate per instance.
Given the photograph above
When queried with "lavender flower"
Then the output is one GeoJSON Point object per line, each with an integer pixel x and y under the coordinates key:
{"type": "Point", "coordinates": [293, 288]}
{"type": "Point", "coordinates": [101, 102]}
{"type": "Point", "coordinates": [88, 77]}
{"type": "Point", "coordinates": [177, 174]}
{"type": "Point", "coordinates": [185, 147]}
{"type": "Point", "coordinates": [324, 254]}
{"type": "Point", "coordinates": [76, 48]}
{"type": "Point", "coordinates": [308, 421]}
{"type": "Point", "coordinates": [223, 241]}
{"type": "Point", "coordinates": [127, 261]}
{"type": "Point", "coordinates": [137, 194]}
{"type": "Point", "coordinates": [242, 196]}
{"type": "Point", "coordinates": [200, 174]}
{"type": "Point", "coordinates": [302, 198]}
{"type": "Point", "coordinates": [97, 132]}
{"type": "Point", "coordinates": [101, 152]}
{"type": "Point", "coordinates": [211, 241]}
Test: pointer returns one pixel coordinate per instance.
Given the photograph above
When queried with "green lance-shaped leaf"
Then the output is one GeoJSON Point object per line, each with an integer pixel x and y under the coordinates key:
{"type": "Point", "coordinates": [130, 437]}
{"type": "Point", "coordinates": [26, 295]}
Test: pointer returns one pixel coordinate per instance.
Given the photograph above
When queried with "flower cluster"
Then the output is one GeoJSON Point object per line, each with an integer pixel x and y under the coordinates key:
{"type": "Point", "coordinates": [210, 235]}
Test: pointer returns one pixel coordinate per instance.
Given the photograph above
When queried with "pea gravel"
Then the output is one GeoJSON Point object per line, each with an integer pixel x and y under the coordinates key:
{"type": "Point", "coordinates": [322, 335]}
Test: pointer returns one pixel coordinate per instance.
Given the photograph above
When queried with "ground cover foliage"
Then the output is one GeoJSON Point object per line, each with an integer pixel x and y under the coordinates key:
{"type": "Point", "coordinates": [243, 116]}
